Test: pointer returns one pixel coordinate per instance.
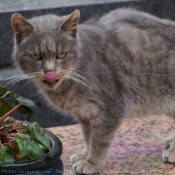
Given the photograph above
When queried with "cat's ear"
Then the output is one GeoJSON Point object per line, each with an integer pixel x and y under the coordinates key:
{"type": "Point", "coordinates": [21, 26]}
{"type": "Point", "coordinates": [70, 25]}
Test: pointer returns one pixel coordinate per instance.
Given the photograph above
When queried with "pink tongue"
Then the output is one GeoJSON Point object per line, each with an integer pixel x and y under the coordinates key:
{"type": "Point", "coordinates": [51, 77]}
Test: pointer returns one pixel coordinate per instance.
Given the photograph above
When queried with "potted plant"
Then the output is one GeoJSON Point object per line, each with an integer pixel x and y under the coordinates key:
{"type": "Point", "coordinates": [22, 144]}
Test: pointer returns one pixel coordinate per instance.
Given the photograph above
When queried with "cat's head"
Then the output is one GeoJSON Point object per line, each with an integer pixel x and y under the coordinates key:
{"type": "Point", "coordinates": [46, 47]}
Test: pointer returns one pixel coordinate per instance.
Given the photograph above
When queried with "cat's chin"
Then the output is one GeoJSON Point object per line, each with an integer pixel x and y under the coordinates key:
{"type": "Point", "coordinates": [50, 86]}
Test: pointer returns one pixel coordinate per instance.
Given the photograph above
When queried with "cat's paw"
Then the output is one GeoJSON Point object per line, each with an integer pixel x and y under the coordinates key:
{"type": "Point", "coordinates": [85, 167]}
{"type": "Point", "coordinates": [167, 142]}
{"type": "Point", "coordinates": [77, 156]}
{"type": "Point", "coordinates": [168, 156]}
{"type": "Point", "coordinates": [169, 153]}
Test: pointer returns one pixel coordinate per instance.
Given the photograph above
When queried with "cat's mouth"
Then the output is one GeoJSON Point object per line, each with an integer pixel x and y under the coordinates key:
{"type": "Point", "coordinates": [50, 84]}
{"type": "Point", "coordinates": [50, 79]}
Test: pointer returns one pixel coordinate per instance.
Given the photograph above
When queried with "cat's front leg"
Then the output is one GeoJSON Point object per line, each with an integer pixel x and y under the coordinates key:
{"type": "Point", "coordinates": [100, 142]}
{"type": "Point", "coordinates": [86, 134]}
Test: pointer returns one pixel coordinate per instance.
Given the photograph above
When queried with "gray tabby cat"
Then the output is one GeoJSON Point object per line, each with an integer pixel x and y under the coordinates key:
{"type": "Point", "coordinates": [120, 65]}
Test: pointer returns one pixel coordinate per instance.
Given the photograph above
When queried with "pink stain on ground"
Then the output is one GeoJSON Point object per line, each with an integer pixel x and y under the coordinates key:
{"type": "Point", "coordinates": [51, 77]}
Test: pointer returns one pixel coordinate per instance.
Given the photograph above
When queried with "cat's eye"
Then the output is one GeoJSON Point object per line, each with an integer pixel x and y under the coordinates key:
{"type": "Point", "coordinates": [61, 55]}
{"type": "Point", "coordinates": [36, 56]}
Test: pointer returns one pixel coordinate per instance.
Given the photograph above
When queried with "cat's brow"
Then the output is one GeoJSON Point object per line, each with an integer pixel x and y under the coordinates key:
{"type": "Point", "coordinates": [48, 46]}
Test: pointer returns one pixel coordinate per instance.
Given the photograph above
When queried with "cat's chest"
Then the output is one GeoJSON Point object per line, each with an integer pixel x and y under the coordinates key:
{"type": "Point", "coordinates": [64, 102]}
{"type": "Point", "coordinates": [74, 105]}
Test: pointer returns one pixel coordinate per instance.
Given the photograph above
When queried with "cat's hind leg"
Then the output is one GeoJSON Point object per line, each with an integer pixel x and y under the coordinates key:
{"type": "Point", "coordinates": [86, 134]}
{"type": "Point", "coordinates": [169, 153]}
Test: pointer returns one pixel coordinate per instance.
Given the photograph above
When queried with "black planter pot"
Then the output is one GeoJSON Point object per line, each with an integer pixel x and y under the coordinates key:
{"type": "Point", "coordinates": [50, 163]}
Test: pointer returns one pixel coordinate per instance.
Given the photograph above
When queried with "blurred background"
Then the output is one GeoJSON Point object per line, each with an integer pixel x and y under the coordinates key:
{"type": "Point", "coordinates": [46, 115]}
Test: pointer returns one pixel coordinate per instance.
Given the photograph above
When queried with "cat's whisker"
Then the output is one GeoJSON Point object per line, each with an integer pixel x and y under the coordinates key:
{"type": "Point", "coordinates": [78, 75]}
{"type": "Point", "coordinates": [35, 74]}
{"type": "Point", "coordinates": [75, 80]}
{"type": "Point", "coordinates": [26, 83]}
{"type": "Point", "coordinates": [80, 78]}
{"type": "Point", "coordinates": [18, 78]}
{"type": "Point", "coordinates": [11, 82]}
{"type": "Point", "coordinates": [15, 77]}
{"type": "Point", "coordinates": [74, 72]}
{"type": "Point", "coordinates": [63, 72]}
{"type": "Point", "coordinates": [78, 81]}
{"type": "Point", "coordinates": [72, 78]}
{"type": "Point", "coordinates": [10, 85]}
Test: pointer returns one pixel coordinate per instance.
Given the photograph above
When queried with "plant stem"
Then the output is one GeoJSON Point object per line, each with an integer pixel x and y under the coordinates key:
{"type": "Point", "coordinates": [9, 113]}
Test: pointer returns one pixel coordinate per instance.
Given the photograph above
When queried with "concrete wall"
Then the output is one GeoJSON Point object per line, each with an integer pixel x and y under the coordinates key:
{"type": "Point", "coordinates": [161, 8]}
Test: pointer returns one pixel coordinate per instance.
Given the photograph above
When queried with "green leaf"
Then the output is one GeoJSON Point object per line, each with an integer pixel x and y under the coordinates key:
{"type": "Point", "coordinates": [9, 156]}
{"type": "Point", "coordinates": [14, 103]}
{"type": "Point", "coordinates": [24, 144]}
{"type": "Point", "coordinates": [26, 110]}
{"type": "Point", "coordinates": [2, 155]}
{"type": "Point", "coordinates": [6, 155]}
{"type": "Point", "coordinates": [39, 134]}
{"type": "Point", "coordinates": [3, 89]}
{"type": "Point", "coordinates": [29, 147]}
{"type": "Point", "coordinates": [2, 158]}
{"type": "Point", "coordinates": [25, 102]}
{"type": "Point", "coordinates": [23, 109]}
{"type": "Point", "coordinates": [4, 107]}
{"type": "Point", "coordinates": [37, 149]}
{"type": "Point", "coordinates": [31, 157]}
{"type": "Point", "coordinates": [6, 95]}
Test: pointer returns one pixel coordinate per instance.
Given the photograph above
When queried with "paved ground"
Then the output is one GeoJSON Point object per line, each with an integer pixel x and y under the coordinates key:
{"type": "Point", "coordinates": [137, 148]}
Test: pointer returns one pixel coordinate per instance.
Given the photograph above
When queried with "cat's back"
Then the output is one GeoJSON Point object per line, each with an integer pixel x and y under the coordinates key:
{"type": "Point", "coordinates": [134, 18]}
{"type": "Point", "coordinates": [128, 24]}
{"type": "Point", "coordinates": [138, 32]}
{"type": "Point", "coordinates": [140, 47]}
